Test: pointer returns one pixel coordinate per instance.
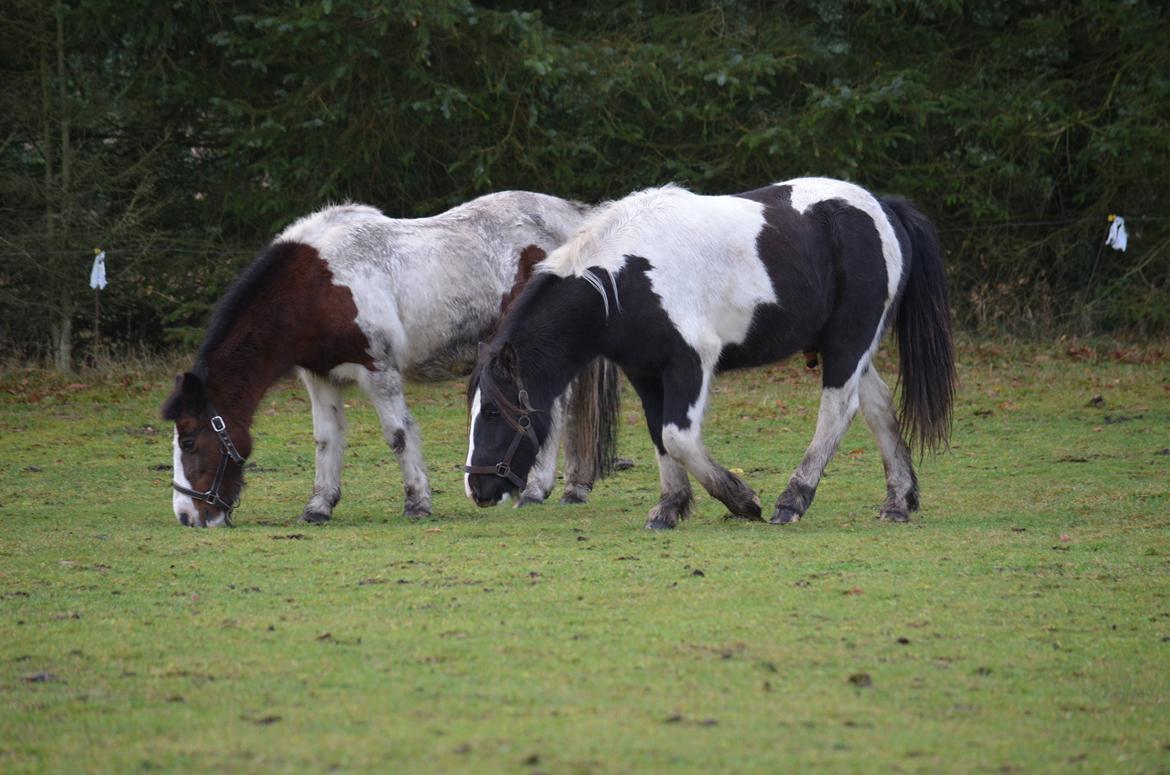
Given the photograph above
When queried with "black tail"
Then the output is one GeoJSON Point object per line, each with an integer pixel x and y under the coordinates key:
{"type": "Point", "coordinates": [923, 322]}
{"type": "Point", "coordinates": [591, 435]}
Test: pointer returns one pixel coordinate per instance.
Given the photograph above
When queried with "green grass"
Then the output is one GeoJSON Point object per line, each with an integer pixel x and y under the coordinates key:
{"type": "Point", "coordinates": [1021, 622]}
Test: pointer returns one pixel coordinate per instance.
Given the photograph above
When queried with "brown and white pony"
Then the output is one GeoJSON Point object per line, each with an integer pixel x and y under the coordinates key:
{"type": "Point", "coordinates": [348, 295]}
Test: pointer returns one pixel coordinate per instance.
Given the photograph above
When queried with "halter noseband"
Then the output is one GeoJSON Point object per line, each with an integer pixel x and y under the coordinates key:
{"type": "Point", "coordinates": [227, 451]}
{"type": "Point", "coordinates": [503, 469]}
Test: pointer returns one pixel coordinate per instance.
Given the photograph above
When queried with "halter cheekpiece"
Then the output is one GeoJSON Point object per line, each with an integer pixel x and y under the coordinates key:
{"type": "Point", "coordinates": [523, 425]}
{"type": "Point", "coordinates": [227, 451]}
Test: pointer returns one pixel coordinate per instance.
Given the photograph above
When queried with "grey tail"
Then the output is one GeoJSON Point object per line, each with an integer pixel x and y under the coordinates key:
{"type": "Point", "coordinates": [592, 425]}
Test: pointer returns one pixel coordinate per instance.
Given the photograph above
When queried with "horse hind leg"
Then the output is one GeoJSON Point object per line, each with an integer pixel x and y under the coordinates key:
{"type": "Point", "coordinates": [385, 389]}
{"type": "Point", "coordinates": [838, 405]}
{"type": "Point", "coordinates": [901, 484]}
{"type": "Point", "coordinates": [329, 435]}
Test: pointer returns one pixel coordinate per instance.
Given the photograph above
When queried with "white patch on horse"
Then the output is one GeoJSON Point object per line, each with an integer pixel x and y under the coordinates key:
{"type": "Point", "coordinates": [181, 503]}
{"type": "Point", "coordinates": [346, 372]}
{"type": "Point", "coordinates": [419, 283]}
{"type": "Point", "coordinates": [714, 278]}
{"type": "Point", "coordinates": [807, 192]}
{"type": "Point", "coordinates": [475, 406]}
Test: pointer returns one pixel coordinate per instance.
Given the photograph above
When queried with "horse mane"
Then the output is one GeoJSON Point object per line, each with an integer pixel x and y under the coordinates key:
{"type": "Point", "coordinates": [248, 285]}
{"type": "Point", "coordinates": [604, 223]}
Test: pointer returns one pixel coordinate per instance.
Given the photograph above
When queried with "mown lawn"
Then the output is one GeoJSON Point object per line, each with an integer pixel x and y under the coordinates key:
{"type": "Point", "coordinates": [1021, 622]}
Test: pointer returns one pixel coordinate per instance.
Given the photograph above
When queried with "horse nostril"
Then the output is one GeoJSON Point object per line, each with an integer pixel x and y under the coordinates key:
{"type": "Point", "coordinates": [184, 520]}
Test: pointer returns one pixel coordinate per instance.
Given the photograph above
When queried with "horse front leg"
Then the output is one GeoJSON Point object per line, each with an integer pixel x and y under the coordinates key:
{"type": "Point", "coordinates": [838, 405]}
{"type": "Point", "coordinates": [682, 438]}
{"type": "Point", "coordinates": [674, 504]}
{"type": "Point", "coordinates": [329, 435]}
{"type": "Point", "coordinates": [542, 476]}
{"type": "Point", "coordinates": [385, 389]}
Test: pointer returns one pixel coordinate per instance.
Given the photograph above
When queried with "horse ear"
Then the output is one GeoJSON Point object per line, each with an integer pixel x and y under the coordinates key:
{"type": "Point", "coordinates": [188, 397]}
{"type": "Point", "coordinates": [193, 390]}
{"type": "Point", "coordinates": [508, 358]}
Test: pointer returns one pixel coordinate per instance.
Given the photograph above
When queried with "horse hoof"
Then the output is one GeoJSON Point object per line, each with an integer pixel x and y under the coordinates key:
{"type": "Point", "coordinates": [894, 515]}
{"type": "Point", "coordinates": [528, 500]}
{"type": "Point", "coordinates": [785, 517]}
{"type": "Point", "coordinates": [417, 512]}
{"type": "Point", "coordinates": [575, 495]}
{"type": "Point", "coordinates": [657, 524]}
{"type": "Point", "coordinates": [757, 517]}
{"type": "Point", "coordinates": [315, 517]}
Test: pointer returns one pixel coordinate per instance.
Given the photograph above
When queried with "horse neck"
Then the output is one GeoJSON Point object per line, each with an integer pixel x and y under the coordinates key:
{"type": "Point", "coordinates": [556, 339]}
{"type": "Point", "coordinates": [246, 363]}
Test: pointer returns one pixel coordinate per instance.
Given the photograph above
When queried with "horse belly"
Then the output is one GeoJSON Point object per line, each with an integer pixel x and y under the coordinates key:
{"type": "Point", "coordinates": [774, 335]}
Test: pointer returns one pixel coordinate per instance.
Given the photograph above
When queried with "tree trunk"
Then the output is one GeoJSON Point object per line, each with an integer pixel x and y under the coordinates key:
{"type": "Point", "coordinates": [62, 335]}
{"type": "Point", "coordinates": [62, 329]}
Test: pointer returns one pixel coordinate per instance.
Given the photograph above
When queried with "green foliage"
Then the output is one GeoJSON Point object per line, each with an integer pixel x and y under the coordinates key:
{"type": "Point", "coordinates": [209, 126]}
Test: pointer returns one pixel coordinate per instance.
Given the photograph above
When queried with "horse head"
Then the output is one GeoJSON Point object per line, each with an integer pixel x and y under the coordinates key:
{"type": "Point", "coordinates": [507, 429]}
{"type": "Point", "coordinates": [208, 456]}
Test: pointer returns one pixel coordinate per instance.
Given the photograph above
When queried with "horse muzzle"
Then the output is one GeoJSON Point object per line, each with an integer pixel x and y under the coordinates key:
{"type": "Point", "coordinates": [204, 517]}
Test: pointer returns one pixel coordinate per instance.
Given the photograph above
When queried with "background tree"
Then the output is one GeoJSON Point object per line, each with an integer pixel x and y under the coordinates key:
{"type": "Point", "coordinates": [182, 136]}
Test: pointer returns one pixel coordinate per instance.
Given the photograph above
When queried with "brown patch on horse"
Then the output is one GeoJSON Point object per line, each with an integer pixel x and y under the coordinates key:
{"type": "Point", "coordinates": [529, 258]}
{"type": "Point", "coordinates": [284, 311]}
{"type": "Point", "coordinates": [328, 335]}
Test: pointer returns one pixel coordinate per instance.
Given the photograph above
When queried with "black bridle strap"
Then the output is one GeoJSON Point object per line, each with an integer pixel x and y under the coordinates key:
{"type": "Point", "coordinates": [227, 451]}
{"type": "Point", "coordinates": [503, 469]}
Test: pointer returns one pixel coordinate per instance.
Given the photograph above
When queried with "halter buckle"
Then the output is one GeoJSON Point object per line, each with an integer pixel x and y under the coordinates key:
{"type": "Point", "coordinates": [217, 424]}
{"type": "Point", "coordinates": [503, 469]}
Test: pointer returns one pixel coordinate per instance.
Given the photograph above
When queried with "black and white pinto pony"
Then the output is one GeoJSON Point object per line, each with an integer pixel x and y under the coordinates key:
{"type": "Point", "coordinates": [673, 286]}
{"type": "Point", "coordinates": [349, 295]}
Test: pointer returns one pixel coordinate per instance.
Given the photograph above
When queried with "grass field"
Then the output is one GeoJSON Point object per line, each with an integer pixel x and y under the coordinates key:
{"type": "Point", "coordinates": [1020, 623]}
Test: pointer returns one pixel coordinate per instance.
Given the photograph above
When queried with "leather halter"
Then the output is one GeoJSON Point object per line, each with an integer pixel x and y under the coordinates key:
{"type": "Point", "coordinates": [523, 426]}
{"type": "Point", "coordinates": [227, 451]}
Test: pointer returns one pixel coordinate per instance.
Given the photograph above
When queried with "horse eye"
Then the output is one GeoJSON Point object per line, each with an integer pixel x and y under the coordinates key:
{"type": "Point", "coordinates": [491, 411]}
{"type": "Point", "coordinates": [187, 444]}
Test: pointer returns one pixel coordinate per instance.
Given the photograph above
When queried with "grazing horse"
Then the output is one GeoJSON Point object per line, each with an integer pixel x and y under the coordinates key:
{"type": "Point", "coordinates": [673, 286]}
{"type": "Point", "coordinates": [348, 295]}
